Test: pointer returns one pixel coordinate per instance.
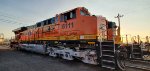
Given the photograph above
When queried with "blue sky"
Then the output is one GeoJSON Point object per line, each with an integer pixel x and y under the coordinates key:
{"type": "Point", "coordinates": [16, 13]}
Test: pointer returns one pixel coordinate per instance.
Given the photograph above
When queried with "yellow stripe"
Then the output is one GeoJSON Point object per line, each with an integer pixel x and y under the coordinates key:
{"type": "Point", "coordinates": [87, 36]}
{"type": "Point", "coordinates": [71, 37]}
{"type": "Point", "coordinates": [91, 42]}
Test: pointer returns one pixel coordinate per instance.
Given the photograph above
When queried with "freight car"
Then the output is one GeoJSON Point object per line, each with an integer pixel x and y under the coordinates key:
{"type": "Point", "coordinates": [74, 34]}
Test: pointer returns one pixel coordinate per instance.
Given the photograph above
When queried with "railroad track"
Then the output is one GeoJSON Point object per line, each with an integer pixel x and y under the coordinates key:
{"type": "Point", "coordinates": [139, 67]}
{"type": "Point", "coordinates": [142, 61]}
{"type": "Point", "coordinates": [4, 48]}
{"type": "Point", "coordinates": [139, 64]}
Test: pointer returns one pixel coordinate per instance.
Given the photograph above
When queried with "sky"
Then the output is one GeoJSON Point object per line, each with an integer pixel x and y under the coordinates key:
{"type": "Point", "coordinates": [17, 13]}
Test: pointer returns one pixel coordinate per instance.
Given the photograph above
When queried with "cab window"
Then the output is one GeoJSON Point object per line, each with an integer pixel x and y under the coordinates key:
{"type": "Point", "coordinates": [68, 15]}
{"type": "Point", "coordinates": [84, 13]}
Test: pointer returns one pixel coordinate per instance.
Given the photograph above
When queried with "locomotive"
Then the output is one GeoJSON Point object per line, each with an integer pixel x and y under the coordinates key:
{"type": "Point", "coordinates": [74, 34]}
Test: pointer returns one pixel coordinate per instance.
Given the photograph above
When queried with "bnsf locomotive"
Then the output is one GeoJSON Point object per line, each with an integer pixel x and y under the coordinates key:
{"type": "Point", "coordinates": [74, 34]}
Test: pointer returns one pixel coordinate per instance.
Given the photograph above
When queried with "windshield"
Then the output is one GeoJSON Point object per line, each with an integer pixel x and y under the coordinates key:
{"type": "Point", "coordinates": [84, 13]}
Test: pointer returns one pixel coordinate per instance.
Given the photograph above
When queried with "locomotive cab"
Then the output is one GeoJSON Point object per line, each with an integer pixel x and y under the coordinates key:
{"type": "Point", "coordinates": [91, 27]}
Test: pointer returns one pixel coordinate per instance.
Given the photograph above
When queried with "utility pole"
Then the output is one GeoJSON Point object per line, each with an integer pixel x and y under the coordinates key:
{"type": "Point", "coordinates": [127, 39]}
{"type": "Point", "coordinates": [118, 17]}
{"type": "Point", "coordinates": [138, 38]}
{"type": "Point", "coordinates": [147, 39]}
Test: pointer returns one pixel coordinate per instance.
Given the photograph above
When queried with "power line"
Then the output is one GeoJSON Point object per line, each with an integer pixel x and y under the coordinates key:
{"type": "Point", "coordinates": [11, 16]}
{"type": "Point", "coordinates": [14, 18]}
{"type": "Point", "coordinates": [136, 10]}
{"type": "Point", "coordinates": [6, 18]}
{"type": "Point", "coordinates": [10, 21]}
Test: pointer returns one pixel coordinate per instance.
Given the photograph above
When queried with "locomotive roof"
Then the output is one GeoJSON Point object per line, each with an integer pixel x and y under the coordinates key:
{"type": "Point", "coordinates": [62, 13]}
{"type": "Point", "coordinates": [19, 29]}
{"type": "Point", "coordinates": [69, 10]}
{"type": "Point", "coordinates": [32, 26]}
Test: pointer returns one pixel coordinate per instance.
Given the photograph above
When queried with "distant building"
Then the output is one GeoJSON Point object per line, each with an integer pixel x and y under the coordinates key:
{"type": "Point", "coordinates": [1, 38]}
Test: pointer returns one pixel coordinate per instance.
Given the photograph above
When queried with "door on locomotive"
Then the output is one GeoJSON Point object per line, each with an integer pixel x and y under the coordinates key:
{"type": "Point", "coordinates": [101, 28]}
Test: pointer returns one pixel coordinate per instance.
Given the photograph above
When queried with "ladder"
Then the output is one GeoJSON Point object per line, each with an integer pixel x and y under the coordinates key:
{"type": "Point", "coordinates": [108, 55]}
{"type": "Point", "coordinates": [136, 51]}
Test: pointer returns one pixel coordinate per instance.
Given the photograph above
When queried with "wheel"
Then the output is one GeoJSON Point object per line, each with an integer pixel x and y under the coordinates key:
{"type": "Point", "coordinates": [120, 59]}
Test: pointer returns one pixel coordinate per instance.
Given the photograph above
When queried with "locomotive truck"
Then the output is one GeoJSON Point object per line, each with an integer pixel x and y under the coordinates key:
{"type": "Point", "coordinates": [75, 34]}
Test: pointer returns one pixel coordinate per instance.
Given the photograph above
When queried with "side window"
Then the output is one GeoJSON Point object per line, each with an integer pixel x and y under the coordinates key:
{"type": "Point", "coordinates": [38, 24]}
{"type": "Point", "coordinates": [82, 13]}
{"type": "Point", "coordinates": [65, 18]}
{"type": "Point", "coordinates": [68, 15]}
{"type": "Point", "coordinates": [74, 14]}
{"type": "Point", "coordinates": [42, 23]}
{"type": "Point", "coordinates": [56, 19]}
{"type": "Point", "coordinates": [111, 25]}
{"type": "Point", "coordinates": [49, 21]}
{"type": "Point", "coordinates": [53, 20]}
{"type": "Point", "coordinates": [45, 22]}
{"type": "Point", "coordinates": [62, 18]}
{"type": "Point", "coordinates": [71, 15]}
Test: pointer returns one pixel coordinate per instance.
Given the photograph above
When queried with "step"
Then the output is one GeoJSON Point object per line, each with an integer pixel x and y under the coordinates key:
{"type": "Point", "coordinates": [136, 44]}
{"type": "Point", "coordinates": [108, 61]}
{"type": "Point", "coordinates": [137, 53]}
{"type": "Point", "coordinates": [108, 58]}
{"type": "Point", "coordinates": [107, 55]}
{"type": "Point", "coordinates": [137, 58]}
{"type": "Point", "coordinates": [136, 48]}
{"type": "Point", "coordinates": [109, 67]}
{"type": "Point", "coordinates": [108, 50]}
{"type": "Point", "coordinates": [107, 43]}
{"type": "Point", "coordinates": [107, 46]}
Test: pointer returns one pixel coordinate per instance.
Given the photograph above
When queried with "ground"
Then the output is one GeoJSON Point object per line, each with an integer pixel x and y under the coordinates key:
{"type": "Point", "coordinates": [12, 60]}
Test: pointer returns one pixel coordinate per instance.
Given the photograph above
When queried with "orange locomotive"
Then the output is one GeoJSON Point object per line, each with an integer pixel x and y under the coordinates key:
{"type": "Point", "coordinates": [76, 24]}
{"type": "Point", "coordinates": [72, 34]}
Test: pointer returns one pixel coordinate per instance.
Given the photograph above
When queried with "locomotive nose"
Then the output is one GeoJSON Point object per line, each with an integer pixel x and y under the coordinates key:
{"type": "Point", "coordinates": [102, 27]}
